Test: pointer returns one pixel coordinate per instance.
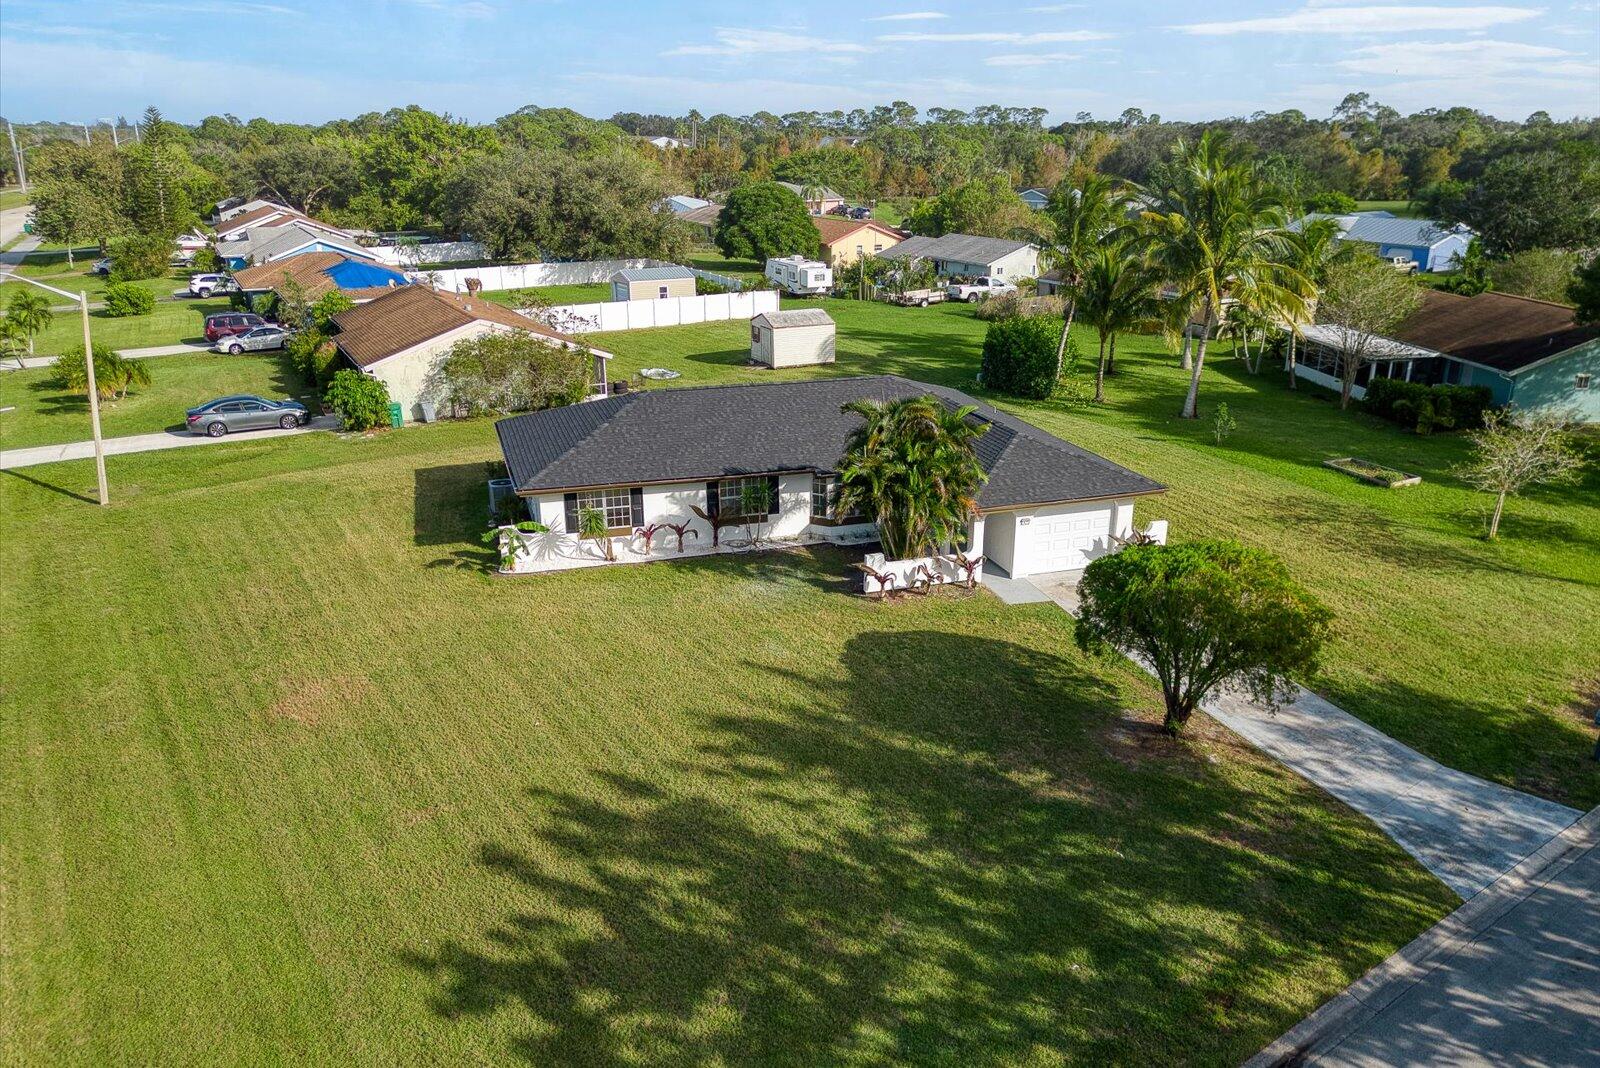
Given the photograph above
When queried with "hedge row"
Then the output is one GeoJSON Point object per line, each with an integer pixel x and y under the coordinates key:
{"type": "Point", "coordinates": [1428, 408]}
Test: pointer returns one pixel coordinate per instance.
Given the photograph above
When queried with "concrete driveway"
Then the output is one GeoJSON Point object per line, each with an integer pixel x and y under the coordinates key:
{"type": "Point", "coordinates": [1510, 978]}
{"type": "Point", "coordinates": [166, 439]}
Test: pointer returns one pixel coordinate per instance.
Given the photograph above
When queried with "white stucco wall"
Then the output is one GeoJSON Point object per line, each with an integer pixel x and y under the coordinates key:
{"type": "Point", "coordinates": [406, 375]}
{"type": "Point", "coordinates": [1017, 540]}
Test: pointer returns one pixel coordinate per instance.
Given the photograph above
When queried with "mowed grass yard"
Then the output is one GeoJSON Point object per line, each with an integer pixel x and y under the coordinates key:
{"type": "Point", "coordinates": [45, 414]}
{"type": "Point", "coordinates": [1480, 654]}
{"type": "Point", "coordinates": [578, 293]}
{"type": "Point", "coordinates": [290, 776]}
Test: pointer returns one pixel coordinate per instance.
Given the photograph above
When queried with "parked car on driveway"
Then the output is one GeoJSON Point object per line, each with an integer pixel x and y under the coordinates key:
{"type": "Point", "coordinates": [270, 336]}
{"type": "Point", "coordinates": [242, 412]}
{"type": "Point", "coordinates": [226, 324]}
{"type": "Point", "coordinates": [203, 285]}
{"type": "Point", "coordinates": [979, 289]}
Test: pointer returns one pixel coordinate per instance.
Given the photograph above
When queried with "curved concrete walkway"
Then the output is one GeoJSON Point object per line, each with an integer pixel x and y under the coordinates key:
{"type": "Point", "coordinates": [166, 439]}
{"type": "Point", "coordinates": [1465, 830]}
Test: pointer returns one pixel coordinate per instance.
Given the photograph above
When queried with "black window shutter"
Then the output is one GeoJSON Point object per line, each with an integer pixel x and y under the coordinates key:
{"type": "Point", "coordinates": [636, 500]}
{"type": "Point", "coordinates": [571, 502]}
{"type": "Point", "coordinates": [711, 499]}
{"type": "Point", "coordinates": [772, 495]}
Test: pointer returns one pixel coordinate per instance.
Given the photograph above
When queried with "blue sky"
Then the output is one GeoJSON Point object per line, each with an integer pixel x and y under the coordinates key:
{"type": "Point", "coordinates": [309, 60]}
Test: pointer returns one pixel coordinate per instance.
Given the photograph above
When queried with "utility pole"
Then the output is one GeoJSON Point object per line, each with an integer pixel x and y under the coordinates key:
{"type": "Point", "coordinates": [114, 142]}
{"type": "Point", "coordinates": [16, 154]}
{"type": "Point", "coordinates": [85, 133]}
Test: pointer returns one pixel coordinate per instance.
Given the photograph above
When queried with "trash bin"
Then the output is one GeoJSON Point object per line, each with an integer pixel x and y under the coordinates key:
{"type": "Point", "coordinates": [396, 417]}
{"type": "Point", "coordinates": [429, 412]}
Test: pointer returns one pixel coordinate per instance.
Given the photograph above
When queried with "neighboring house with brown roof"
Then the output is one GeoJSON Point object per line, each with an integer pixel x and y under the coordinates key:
{"type": "Point", "coordinates": [1528, 353]}
{"type": "Point", "coordinates": [400, 337]}
{"type": "Point", "coordinates": [703, 218]}
{"type": "Point", "coordinates": [846, 240]}
{"type": "Point", "coordinates": [318, 273]}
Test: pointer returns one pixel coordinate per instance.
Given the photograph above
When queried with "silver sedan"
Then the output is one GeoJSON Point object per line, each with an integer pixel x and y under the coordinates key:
{"type": "Point", "coordinates": [257, 340]}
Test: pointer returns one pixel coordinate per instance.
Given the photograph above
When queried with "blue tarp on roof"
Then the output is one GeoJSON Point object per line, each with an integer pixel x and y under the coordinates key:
{"type": "Point", "coordinates": [357, 274]}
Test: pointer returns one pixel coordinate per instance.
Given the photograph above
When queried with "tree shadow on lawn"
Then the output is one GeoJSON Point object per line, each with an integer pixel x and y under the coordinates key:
{"type": "Point", "coordinates": [935, 851]}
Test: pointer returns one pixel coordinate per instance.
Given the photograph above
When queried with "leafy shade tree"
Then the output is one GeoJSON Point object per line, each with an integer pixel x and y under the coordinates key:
{"type": "Point", "coordinates": [308, 175]}
{"type": "Point", "coordinates": [913, 466]}
{"type": "Point", "coordinates": [1471, 275]}
{"type": "Point", "coordinates": [1516, 450]}
{"type": "Point", "coordinates": [29, 311]}
{"type": "Point", "coordinates": [1541, 273]}
{"type": "Point", "coordinates": [407, 161]}
{"type": "Point", "coordinates": [139, 256]}
{"type": "Point", "coordinates": [1528, 200]}
{"type": "Point", "coordinates": [1363, 300]}
{"type": "Point", "coordinates": [1333, 203]}
{"type": "Point", "coordinates": [77, 194]}
{"type": "Point", "coordinates": [987, 207]}
{"type": "Point", "coordinates": [761, 220]}
{"type": "Point", "coordinates": [1019, 356]}
{"type": "Point", "coordinates": [1118, 291]}
{"type": "Point", "coordinates": [1078, 219]}
{"type": "Point", "coordinates": [325, 307]}
{"type": "Point", "coordinates": [1217, 233]}
{"type": "Point", "coordinates": [1202, 615]}
{"type": "Point", "coordinates": [1584, 291]}
{"type": "Point", "coordinates": [114, 375]}
{"type": "Point", "coordinates": [361, 402]}
{"type": "Point", "coordinates": [512, 371]}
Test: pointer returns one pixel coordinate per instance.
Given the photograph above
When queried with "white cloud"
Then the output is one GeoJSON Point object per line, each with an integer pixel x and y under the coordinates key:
{"type": "Point", "coordinates": [1051, 9]}
{"type": "Point", "coordinates": [472, 9]}
{"type": "Point", "coordinates": [737, 42]}
{"type": "Point", "coordinates": [1031, 59]}
{"type": "Point", "coordinates": [909, 16]}
{"type": "Point", "coordinates": [1000, 38]}
{"type": "Point", "coordinates": [1477, 60]}
{"type": "Point", "coordinates": [1337, 18]}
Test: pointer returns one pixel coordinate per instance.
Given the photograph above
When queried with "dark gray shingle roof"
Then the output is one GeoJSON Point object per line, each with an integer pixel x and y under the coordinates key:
{"type": "Point", "coordinates": [708, 432]}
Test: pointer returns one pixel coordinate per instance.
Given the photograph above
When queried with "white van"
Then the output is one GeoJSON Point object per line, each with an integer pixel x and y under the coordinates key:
{"type": "Point", "coordinates": [799, 276]}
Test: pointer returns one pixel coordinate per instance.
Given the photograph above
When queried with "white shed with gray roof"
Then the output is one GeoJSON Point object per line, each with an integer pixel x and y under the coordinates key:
{"type": "Point", "coordinates": [792, 338]}
{"type": "Point", "coordinates": [652, 283]}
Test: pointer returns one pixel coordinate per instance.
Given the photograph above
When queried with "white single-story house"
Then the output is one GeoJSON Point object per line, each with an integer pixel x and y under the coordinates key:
{"type": "Point", "coordinates": [792, 338]}
{"type": "Point", "coordinates": [646, 458]}
{"type": "Point", "coordinates": [1430, 246]}
{"type": "Point", "coordinates": [666, 143]}
{"type": "Point", "coordinates": [966, 255]}
{"type": "Point", "coordinates": [1528, 353]}
{"type": "Point", "coordinates": [821, 201]}
{"type": "Point", "coordinates": [400, 337]}
{"type": "Point", "coordinates": [652, 283]}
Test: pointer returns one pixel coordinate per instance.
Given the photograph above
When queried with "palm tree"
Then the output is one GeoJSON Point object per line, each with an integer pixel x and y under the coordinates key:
{"type": "Point", "coordinates": [31, 312]}
{"type": "Point", "coordinates": [1219, 234]}
{"type": "Point", "coordinates": [13, 341]}
{"type": "Point", "coordinates": [1118, 292]}
{"type": "Point", "coordinates": [912, 465]}
{"type": "Point", "coordinates": [1078, 219]}
{"type": "Point", "coordinates": [1313, 249]}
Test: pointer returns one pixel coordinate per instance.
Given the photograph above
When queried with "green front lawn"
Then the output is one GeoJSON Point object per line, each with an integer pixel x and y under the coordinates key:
{"type": "Point", "coordinates": [1404, 208]}
{"type": "Point", "coordinates": [47, 415]}
{"type": "Point", "coordinates": [291, 777]}
{"type": "Point", "coordinates": [167, 324]}
{"type": "Point", "coordinates": [12, 197]}
{"type": "Point", "coordinates": [1433, 640]}
{"type": "Point", "coordinates": [708, 258]}
{"type": "Point", "coordinates": [52, 268]}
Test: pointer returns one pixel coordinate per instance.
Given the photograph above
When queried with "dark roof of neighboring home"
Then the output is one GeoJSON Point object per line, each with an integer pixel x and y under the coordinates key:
{"type": "Point", "coordinates": [1496, 330]}
{"type": "Point", "coordinates": [833, 228]}
{"type": "Point", "coordinates": [797, 317]}
{"type": "Point", "coordinates": [963, 248]}
{"type": "Point", "coordinates": [270, 214]}
{"type": "Point", "coordinates": [309, 271]}
{"type": "Point", "coordinates": [411, 315]}
{"type": "Point", "coordinates": [704, 216]}
{"type": "Point", "coordinates": [652, 274]}
{"type": "Point", "coordinates": [710, 432]}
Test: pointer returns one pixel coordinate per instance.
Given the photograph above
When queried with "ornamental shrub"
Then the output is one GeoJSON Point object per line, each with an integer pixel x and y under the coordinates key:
{"type": "Point", "coordinates": [1019, 356]}
{"type": "Point", "coordinates": [361, 402]}
{"type": "Point", "coordinates": [134, 258]}
{"type": "Point", "coordinates": [1426, 408]}
{"type": "Point", "coordinates": [125, 298]}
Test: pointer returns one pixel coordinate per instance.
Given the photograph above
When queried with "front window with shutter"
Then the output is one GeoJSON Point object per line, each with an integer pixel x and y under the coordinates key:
{"type": "Point", "coordinates": [825, 496]}
{"type": "Point", "coordinates": [730, 495]}
{"type": "Point", "coordinates": [615, 504]}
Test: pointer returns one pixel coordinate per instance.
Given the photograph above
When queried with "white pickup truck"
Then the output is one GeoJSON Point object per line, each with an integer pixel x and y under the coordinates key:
{"type": "Point", "coordinates": [979, 289]}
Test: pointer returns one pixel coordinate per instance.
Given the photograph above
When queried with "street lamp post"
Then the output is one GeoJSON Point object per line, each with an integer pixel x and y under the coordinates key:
{"type": "Point", "coordinates": [88, 363]}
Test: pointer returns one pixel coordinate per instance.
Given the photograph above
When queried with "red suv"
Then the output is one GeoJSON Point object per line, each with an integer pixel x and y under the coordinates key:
{"type": "Point", "coordinates": [226, 324]}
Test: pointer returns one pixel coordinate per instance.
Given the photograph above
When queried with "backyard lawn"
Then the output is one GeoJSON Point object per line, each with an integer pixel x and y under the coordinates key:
{"type": "Point", "coordinates": [168, 323]}
{"type": "Point", "coordinates": [291, 777]}
{"type": "Point", "coordinates": [45, 414]}
{"type": "Point", "coordinates": [1480, 654]}
{"type": "Point", "coordinates": [578, 293]}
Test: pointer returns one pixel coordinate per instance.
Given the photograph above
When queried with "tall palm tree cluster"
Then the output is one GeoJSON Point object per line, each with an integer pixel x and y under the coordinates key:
{"type": "Point", "coordinates": [912, 466]}
{"type": "Point", "coordinates": [1210, 246]}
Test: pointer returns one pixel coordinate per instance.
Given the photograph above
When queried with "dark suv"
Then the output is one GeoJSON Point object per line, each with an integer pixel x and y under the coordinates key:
{"type": "Point", "coordinates": [226, 324]}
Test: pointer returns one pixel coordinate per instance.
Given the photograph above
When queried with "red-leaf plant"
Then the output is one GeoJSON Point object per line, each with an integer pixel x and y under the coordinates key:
{"type": "Point", "coordinates": [717, 522]}
{"type": "Point", "coordinates": [969, 566]}
{"type": "Point", "coordinates": [648, 533]}
{"type": "Point", "coordinates": [680, 529]}
{"type": "Point", "coordinates": [886, 580]}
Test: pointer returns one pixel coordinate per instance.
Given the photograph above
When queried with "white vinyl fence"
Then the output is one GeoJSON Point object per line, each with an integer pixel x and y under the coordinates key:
{"type": "Point", "coordinates": [433, 252]}
{"type": "Point", "coordinates": [529, 275]}
{"type": "Point", "coordinates": [673, 311]}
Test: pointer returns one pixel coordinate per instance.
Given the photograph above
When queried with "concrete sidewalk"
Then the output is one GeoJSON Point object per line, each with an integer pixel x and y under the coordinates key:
{"type": "Point", "coordinates": [167, 439]}
{"type": "Point", "coordinates": [1511, 977]}
{"type": "Point", "coordinates": [1465, 830]}
{"type": "Point", "coordinates": [180, 349]}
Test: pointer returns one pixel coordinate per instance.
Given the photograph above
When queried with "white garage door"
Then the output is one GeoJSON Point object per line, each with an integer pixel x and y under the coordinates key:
{"type": "Point", "coordinates": [1069, 541]}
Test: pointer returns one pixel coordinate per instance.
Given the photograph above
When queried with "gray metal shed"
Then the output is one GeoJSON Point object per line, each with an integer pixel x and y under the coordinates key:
{"type": "Point", "coordinates": [792, 338]}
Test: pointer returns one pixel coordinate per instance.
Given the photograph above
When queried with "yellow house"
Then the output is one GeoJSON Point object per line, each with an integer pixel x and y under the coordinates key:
{"type": "Point", "coordinates": [846, 240]}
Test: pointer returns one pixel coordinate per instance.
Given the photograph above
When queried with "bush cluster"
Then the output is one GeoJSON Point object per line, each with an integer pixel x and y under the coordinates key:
{"type": "Point", "coordinates": [1019, 356]}
{"type": "Point", "coordinates": [360, 401]}
{"type": "Point", "coordinates": [124, 299]}
{"type": "Point", "coordinates": [1015, 305]}
{"type": "Point", "coordinates": [1428, 408]}
{"type": "Point", "coordinates": [138, 257]}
